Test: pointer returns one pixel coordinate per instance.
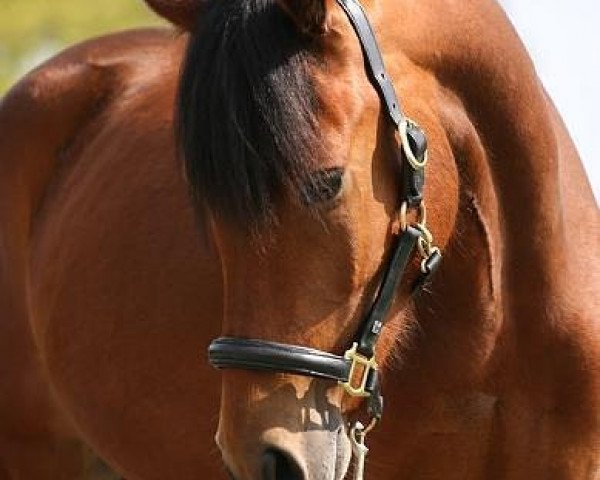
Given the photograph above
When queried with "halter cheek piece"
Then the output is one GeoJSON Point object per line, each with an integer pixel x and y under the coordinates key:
{"type": "Point", "coordinates": [357, 370]}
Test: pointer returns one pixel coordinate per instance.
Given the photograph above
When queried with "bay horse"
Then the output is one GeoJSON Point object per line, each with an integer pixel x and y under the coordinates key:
{"type": "Point", "coordinates": [117, 271]}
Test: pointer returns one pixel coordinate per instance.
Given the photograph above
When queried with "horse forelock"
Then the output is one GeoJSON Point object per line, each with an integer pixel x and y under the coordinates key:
{"type": "Point", "coordinates": [247, 111]}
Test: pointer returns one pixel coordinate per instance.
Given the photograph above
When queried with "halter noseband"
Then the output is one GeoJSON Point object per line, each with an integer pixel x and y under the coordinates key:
{"type": "Point", "coordinates": [357, 370]}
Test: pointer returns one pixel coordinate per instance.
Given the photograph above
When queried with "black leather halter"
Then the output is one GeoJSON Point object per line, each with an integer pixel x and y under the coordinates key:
{"type": "Point", "coordinates": [357, 370]}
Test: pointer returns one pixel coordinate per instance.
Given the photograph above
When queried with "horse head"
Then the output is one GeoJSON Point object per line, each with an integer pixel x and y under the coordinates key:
{"type": "Point", "coordinates": [294, 167]}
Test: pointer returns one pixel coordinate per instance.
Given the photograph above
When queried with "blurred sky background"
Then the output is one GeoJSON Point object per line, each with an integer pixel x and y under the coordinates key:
{"type": "Point", "coordinates": [563, 37]}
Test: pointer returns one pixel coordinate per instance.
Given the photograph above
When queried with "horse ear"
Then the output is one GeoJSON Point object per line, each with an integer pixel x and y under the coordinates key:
{"type": "Point", "coordinates": [311, 16]}
{"type": "Point", "coordinates": [183, 13]}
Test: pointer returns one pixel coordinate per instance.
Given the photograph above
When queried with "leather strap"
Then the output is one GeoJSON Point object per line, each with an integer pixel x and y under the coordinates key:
{"type": "Point", "coordinates": [374, 60]}
{"type": "Point", "coordinates": [244, 354]}
{"type": "Point", "coordinates": [413, 179]}
{"type": "Point", "coordinates": [402, 253]}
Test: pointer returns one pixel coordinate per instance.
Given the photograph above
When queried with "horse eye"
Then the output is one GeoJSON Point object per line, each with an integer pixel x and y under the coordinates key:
{"type": "Point", "coordinates": [323, 186]}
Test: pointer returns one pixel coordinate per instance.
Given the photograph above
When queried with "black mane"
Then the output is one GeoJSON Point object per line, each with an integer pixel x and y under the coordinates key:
{"type": "Point", "coordinates": [246, 119]}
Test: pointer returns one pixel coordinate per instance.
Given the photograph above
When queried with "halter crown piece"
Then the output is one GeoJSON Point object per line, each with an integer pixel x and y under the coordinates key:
{"type": "Point", "coordinates": [357, 371]}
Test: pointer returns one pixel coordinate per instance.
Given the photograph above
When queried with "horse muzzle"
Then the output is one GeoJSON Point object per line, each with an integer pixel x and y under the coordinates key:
{"type": "Point", "coordinates": [315, 455]}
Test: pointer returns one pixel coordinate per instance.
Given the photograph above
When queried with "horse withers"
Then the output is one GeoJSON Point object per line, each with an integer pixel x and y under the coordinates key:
{"type": "Point", "coordinates": [118, 271]}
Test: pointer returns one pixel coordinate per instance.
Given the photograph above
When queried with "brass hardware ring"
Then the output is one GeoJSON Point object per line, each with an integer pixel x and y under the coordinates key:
{"type": "Point", "coordinates": [410, 155]}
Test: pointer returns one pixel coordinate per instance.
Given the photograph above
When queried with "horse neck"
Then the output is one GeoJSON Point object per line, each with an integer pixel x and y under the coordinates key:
{"type": "Point", "coordinates": [518, 285]}
{"type": "Point", "coordinates": [526, 154]}
{"type": "Point", "coordinates": [526, 151]}
{"type": "Point", "coordinates": [505, 296]}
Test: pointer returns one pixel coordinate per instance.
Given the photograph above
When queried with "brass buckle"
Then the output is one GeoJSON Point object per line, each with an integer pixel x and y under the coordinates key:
{"type": "Point", "coordinates": [415, 163]}
{"type": "Point", "coordinates": [425, 243]}
{"type": "Point", "coordinates": [358, 361]}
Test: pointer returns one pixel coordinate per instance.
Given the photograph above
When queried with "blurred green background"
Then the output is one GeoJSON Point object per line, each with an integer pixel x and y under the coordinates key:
{"type": "Point", "coordinates": [33, 30]}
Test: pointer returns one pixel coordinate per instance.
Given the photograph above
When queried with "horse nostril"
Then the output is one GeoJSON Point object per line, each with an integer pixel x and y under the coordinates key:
{"type": "Point", "coordinates": [277, 465]}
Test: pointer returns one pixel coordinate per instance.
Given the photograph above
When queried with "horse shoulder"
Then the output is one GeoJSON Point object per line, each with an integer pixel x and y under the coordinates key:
{"type": "Point", "coordinates": [44, 112]}
{"type": "Point", "coordinates": [40, 117]}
